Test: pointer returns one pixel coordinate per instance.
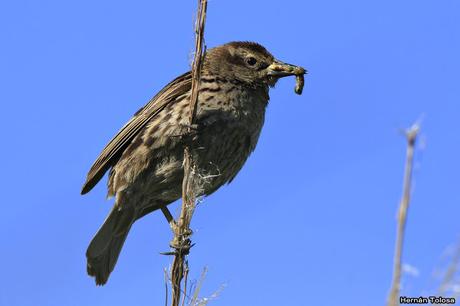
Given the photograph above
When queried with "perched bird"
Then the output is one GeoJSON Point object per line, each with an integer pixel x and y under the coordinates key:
{"type": "Point", "coordinates": [145, 157]}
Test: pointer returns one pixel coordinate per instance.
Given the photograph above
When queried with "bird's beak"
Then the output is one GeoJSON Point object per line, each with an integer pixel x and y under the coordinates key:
{"type": "Point", "coordinates": [280, 69]}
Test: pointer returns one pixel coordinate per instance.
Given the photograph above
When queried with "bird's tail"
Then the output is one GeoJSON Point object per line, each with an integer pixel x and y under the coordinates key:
{"type": "Point", "coordinates": [104, 249]}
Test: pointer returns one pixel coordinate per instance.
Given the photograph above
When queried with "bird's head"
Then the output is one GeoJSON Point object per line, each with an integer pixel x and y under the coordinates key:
{"type": "Point", "coordinates": [247, 62]}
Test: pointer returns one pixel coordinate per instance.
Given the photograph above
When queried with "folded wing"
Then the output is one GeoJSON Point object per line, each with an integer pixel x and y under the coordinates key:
{"type": "Point", "coordinates": [112, 152]}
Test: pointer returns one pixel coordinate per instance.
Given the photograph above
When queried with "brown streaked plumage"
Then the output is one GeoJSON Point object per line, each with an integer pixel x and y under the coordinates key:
{"type": "Point", "coordinates": [145, 157]}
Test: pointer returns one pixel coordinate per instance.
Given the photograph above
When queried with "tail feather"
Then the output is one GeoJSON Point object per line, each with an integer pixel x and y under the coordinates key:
{"type": "Point", "coordinates": [104, 249]}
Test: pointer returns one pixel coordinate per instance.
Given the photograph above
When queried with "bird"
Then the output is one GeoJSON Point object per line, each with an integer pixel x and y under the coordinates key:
{"type": "Point", "coordinates": [145, 157]}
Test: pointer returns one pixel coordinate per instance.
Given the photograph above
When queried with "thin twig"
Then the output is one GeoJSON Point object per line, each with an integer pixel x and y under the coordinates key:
{"type": "Point", "coordinates": [186, 294]}
{"type": "Point", "coordinates": [197, 290]}
{"type": "Point", "coordinates": [181, 242]}
{"type": "Point", "coordinates": [411, 136]}
{"type": "Point", "coordinates": [166, 286]}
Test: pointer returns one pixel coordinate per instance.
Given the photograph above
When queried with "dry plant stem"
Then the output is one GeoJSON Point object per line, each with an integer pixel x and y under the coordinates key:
{"type": "Point", "coordinates": [166, 286]}
{"type": "Point", "coordinates": [181, 242]}
{"type": "Point", "coordinates": [411, 135]}
{"type": "Point", "coordinates": [197, 290]}
{"type": "Point", "coordinates": [185, 281]}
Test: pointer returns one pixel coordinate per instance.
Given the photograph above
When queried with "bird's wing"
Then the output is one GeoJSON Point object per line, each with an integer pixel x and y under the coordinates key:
{"type": "Point", "coordinates": [113, 150]}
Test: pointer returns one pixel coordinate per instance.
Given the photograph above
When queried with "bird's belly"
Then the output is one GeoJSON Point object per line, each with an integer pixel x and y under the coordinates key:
{"type": "Point", "coordinates": [219, 154]}
{"type": "Point", "coordinates": [222, 145]}
{"type": "Point", "coordinates": [221, 150]}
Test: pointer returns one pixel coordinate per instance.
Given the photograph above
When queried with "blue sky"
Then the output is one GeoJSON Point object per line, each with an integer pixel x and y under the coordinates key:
{"type": "Point", "coordinates": [310, 220]}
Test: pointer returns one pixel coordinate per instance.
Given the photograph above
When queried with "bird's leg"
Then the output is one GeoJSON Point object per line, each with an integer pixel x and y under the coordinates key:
{"type": "Point", "coordinates": [181, 242]}
{"type": "Point", "coordinates": [172, 223]}
{"type": "Point", "coordinates": [169, 217]}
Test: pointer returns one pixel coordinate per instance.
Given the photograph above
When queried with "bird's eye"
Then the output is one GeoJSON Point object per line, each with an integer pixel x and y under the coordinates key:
{"type": "Point", "coordinates": [251, 61]}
